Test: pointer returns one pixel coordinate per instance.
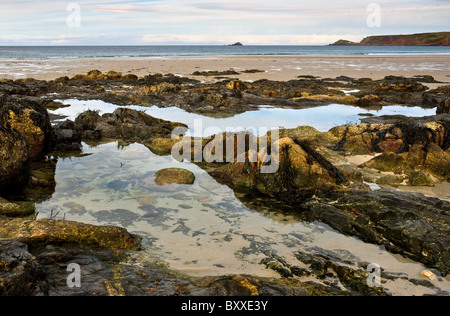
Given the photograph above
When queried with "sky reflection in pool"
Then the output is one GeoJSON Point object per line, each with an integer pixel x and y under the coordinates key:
{"type": "Point", "coordinates": [322, 118]}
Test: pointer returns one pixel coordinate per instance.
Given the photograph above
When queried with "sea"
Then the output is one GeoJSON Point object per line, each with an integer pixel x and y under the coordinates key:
{"type": "Point", "coordinates": [58, 52]}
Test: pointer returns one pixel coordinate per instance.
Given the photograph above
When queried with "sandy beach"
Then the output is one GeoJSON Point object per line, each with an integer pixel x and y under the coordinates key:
{"type": "Point", "coordinates": [281, 68]}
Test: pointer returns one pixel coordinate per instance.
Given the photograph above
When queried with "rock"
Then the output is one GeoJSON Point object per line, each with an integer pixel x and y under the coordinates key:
{"type": "Point", "coordinates": [393, 180]}
{"type": "Point", "coordinates": [300, 167]}
{"type": "Point", "coordinates": [391, 145]}
{"type": "Point", "coordinates": [11, 209]}
{"type": "Point", "coordinates": [325, 98]}
{"type": "Point", "coordinates": [68, 138]}
{"type": "Point", "coordinates": [428, 274]}
{"type": "Point", "coordinates": [162, 146]}
{"type": "Point", "coordinates": [132, 77]}
{"type": "Point", "coordinates": [406, 223]}
{"type": "Point", "coordinates": [437, 162]}
{"type": "Point", "coordinates": [174, 176]}
{"type": "Point", "coordinates": [113, 75]}
{"type": "Point", "coordinates": [53, 231]}
{"type": "Point", "coordinates": [87, 120]}
{"type": "Point", "coordinates": [420, 178]}
{"type": "Point", "coordinates": [369, 100]}
{"type": "Point", "coordinates": [32, 121]}
{"type": "Point", "coordinates": [355, 139]}
{"type": "Point", "coordinates": [162, 88]}
{"type": "Point", "coordinates": [237, 85]}
{"type": "Point", "coordinates": [15, 166]}
{"type": "Point", "coordinates": [125, 124]}
{"type": "Point", "coordinates": [444, 107]}
{"type": "Point", "coordinates": [244, 286]}
{"type": "Point", "coordinates": [20, 273]}
{"type": "Point", "coordinates": [7, 208]}
{"type": "Point", "coordinates": [43, 271]}
{"type": "Point", "coordinates": [431, 159]}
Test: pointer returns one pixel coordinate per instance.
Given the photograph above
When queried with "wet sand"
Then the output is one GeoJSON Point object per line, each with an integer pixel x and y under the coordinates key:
{"type": "Point", "coordinates": [276, 67]}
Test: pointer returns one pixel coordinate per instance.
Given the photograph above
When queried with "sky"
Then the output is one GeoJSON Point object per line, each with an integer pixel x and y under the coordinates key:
{"type": "Point", "coordinates": [178, 22]}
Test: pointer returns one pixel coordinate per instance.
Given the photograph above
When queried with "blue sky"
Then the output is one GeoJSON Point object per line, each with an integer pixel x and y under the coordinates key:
{"type": "Point", "coordinates": [281, 22]}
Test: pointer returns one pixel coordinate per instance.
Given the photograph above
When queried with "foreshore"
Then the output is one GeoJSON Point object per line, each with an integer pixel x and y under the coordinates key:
{"type": "Point", "coordinates": [279, 68]}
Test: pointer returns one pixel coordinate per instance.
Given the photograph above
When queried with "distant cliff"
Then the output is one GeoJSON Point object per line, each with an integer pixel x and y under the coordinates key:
{"type": "Point", "coordinates": [424, 39]}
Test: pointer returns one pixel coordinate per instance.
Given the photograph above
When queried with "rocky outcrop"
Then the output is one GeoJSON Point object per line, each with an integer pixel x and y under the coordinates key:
{"type": "Point", "coordinates": [410, 224]}
{"type": "Point", "coordinates": [300, 168]}
{"type": "Point", "coordinates": [42, 271]}
{"type": "Point", "coordinates": [31, 120]}
{"type": "Point", "coordinates": [124, 124]}
{"type": "Point", "coordinates": [406, 145]}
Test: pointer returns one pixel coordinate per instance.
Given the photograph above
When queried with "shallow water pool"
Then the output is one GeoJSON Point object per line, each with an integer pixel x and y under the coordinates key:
{"type": "Point", "coordinates": [202, 229]}
{"type": "Point", "coordinates": [265, 118]}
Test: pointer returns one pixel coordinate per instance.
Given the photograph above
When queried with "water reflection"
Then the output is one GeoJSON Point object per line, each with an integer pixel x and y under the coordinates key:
{"type": "Point", "coordinates": [266, 117]}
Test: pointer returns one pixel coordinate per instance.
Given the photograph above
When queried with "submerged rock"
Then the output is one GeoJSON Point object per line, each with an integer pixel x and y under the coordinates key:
{"type": "Point", "coordinates": [174, 176]}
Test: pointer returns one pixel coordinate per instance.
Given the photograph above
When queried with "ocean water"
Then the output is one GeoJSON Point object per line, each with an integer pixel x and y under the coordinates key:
{"type": "Point", "coordinates": [57, 52]}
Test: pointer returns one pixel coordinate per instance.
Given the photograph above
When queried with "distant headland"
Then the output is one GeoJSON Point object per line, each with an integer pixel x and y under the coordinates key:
{"type": "Point", "coordinates": [423, 39]}
{"type": "Point", "coordinates": [236, 44]}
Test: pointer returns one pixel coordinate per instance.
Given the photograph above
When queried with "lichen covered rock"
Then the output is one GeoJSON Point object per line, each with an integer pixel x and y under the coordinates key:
{"type": "Point", "coordinates": [300, 167]}
{"type": "Point", "coordinates": [53, 231]}
{"type": "Point", "coordinates": [32, 121]}
{"type": "Point", "coordinates": [14, 160]}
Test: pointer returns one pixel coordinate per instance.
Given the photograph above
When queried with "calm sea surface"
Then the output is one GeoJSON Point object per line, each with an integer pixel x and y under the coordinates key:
{"type": "Point", "coordinates": [50, 52]}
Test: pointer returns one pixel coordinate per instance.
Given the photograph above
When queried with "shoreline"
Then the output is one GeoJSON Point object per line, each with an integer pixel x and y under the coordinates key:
{"type": "Point", "coordinates": [276, 67]}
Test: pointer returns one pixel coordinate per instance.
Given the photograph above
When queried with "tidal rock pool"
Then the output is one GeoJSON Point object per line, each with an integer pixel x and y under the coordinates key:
{"type": "Point", "coordinates": [204, 229]}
